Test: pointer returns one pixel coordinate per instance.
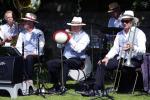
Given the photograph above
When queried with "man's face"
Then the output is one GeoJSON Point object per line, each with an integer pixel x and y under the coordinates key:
{"type": "Point", "coordinates": [115, 13]}
{"type": "Point", "coordinates": [76, 28]}
{"type": "Point", "coordinates": [9, 18]}
{"type": "Point", "coordinates": [127, 23]}
{"type": "Point", "coordinates": [27, 24]}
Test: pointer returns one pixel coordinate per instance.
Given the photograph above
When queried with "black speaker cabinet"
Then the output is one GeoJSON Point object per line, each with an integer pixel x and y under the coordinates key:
{"type": "Point", "coordinates": [11, 69]}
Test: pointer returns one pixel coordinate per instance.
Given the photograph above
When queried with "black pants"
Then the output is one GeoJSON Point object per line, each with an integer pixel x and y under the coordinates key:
{"type": "Point", "coordinates": [55, 72]}
{"type": "Point", "coordinates": [112, 64]}
{"type": "Point", "coordinates": [28, 66]}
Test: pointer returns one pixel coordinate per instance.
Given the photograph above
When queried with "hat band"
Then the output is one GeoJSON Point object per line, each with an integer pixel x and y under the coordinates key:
{"type": "Point", "coordinates": [30, 18]}
{"type": "Point", "coordinates": [128, 15]}
{"type": "Point", "coordinates": [76, 23]}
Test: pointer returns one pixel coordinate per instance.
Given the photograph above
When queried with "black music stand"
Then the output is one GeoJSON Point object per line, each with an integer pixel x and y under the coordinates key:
{"type": "Point", "coordinates": [63, 89]}
{"type": "Point", "coordinates": [9, 51]}
{"type": "Point", "coordinates": [41, 87]}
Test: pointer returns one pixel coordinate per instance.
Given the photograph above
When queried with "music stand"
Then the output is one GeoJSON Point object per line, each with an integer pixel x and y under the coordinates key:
{"type": "Point", "coordinates": [9, 51]}
{"type": "Point", "coordinates": [40, 90]}
{"type": "Point", "coordinates": [63, 89]}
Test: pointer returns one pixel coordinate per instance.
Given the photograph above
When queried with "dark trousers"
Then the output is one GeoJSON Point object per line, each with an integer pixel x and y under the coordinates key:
{"type": "Point", "coordinates": [112, 64]}
{"type": "Point", "coordinates": [28, 66]}
{"type": "Point", "coordinates": [55, 72]}
{"type": "Point", "coordinates": [146, 72]}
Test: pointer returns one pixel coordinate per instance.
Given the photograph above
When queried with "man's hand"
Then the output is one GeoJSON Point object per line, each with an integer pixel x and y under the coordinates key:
{"type": "Point", "coordinates": [8, 39]}
{"type": "Point", "coordinates": [127, 46]}
{"type": "Point", "coordinates": [2, 43]}
{"type": "Point", "coordinates": [69, 34]}
{"type": "Point", "coordinates": [104, 60]}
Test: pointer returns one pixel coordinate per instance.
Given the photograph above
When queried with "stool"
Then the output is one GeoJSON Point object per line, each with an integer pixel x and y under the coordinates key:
{"type": "Point", "coordinates": [136, 70]}
{"type": "Point", "coordinates": [82, 74]}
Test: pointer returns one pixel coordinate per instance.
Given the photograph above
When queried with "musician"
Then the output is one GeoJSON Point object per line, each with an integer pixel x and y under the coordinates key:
{"type": "Point", "coordinates": [30, 43]}
{"type": "Point", "coordinates": [122, 44]}
{"type": "Point", "coordinates": [115, 14]}
{"type": "Point", "coordinates": [9, 30]}
{"type": "Point", "coordinates": [74, 55]}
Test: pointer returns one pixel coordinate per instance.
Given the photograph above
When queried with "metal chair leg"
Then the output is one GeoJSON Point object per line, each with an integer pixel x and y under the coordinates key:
{"type": "Point", "coordinates": [135, 82]}
{"type": "Point", "coordinates": [116, 80]}
{"type": "Point", "coordinates": [119, 80]}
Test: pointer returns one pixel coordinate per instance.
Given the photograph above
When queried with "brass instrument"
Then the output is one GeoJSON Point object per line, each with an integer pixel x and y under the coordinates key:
{"type": "Point", "coordinates": [24, 6]}
{"type": "Point", "coordinates": [128, 61]}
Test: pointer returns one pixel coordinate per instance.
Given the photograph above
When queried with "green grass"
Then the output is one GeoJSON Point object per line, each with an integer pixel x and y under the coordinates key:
{"type": "Point", "coordinates": [72, 95]}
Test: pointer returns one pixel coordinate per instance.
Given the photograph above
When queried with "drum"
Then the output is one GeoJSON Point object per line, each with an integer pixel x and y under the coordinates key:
{"type": "Point", "coordinates": [80, 75]}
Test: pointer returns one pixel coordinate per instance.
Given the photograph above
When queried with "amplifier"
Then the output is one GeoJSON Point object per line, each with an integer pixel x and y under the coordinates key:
{"type": "Point", "coordinates": [11, 69]}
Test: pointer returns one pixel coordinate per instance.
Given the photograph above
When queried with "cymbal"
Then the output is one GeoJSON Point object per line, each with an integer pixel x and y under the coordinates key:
{"type": "Point", "coordinates": [111, 30]}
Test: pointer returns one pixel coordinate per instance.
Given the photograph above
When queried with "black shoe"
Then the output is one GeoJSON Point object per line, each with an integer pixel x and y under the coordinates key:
{"type": "Point", "coordinates": [62, 90]}
{"type": "Point", "coordinates": [54, 90]}
{"type": "Point", "coordinates": [91, 93]}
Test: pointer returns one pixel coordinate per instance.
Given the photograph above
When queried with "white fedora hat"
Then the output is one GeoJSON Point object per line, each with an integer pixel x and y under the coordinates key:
{"type": "Point", "coordinates": [128, 14]}
{"type": "Point", "coordinates": [76, 21]}
{"type": "Point", "coordinates": [30, 17]}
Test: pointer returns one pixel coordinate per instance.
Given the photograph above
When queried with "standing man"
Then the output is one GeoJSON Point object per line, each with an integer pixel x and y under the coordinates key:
{"type": "Point", "coordinates": [9, 30]}
{"type": "Point", "coordinates": [30, 43]}
{"type": "Point", "coordinates": [74, 55]}
{"type": "Point", "coordinates": [123, 43]}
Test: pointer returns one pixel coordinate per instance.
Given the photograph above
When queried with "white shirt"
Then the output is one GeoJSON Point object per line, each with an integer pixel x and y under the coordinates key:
{"type": "Point", "coordinates": [115, 22]}
{"type": "Point", "coordinates": [30, 40]}
{"type": "Point", "coordinates": [8, 31]}
{"type": "Point", "coordinates": [77, 45]}
{"type": "Point", "coordinates": [122, 38]}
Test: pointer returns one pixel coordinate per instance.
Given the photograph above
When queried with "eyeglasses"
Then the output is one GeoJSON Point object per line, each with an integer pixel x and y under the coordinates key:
{"type": "Point", "coordinates": [125, 21]}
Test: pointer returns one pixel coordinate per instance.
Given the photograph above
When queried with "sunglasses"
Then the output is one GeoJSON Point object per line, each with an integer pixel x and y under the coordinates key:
{"type": "Point", "coordinates": [125, 21]}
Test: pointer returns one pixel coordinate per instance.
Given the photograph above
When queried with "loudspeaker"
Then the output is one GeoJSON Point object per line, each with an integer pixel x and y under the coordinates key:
{"type": "Point", "coordinates": [11, 69]}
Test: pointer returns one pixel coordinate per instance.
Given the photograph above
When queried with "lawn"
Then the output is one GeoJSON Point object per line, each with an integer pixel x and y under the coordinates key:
{"type": "Point", "coordinates": [72, 95]}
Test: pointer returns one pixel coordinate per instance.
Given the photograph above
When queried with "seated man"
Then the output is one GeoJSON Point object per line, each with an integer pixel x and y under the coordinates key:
{"type": "Point", "coordinates": [30, 43]}
{"type": "Point", "coordinates": [9, 30]}
{"type": "Point", "coordinates": [130, 39]}
{"type": "Point", "coordinates": [74, 55]}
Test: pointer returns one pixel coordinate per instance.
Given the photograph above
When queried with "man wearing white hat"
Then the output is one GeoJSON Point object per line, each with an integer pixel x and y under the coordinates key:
{"type": "Point", "coordinates": [74, 55]}
{"type": "Point", "coordinates": [123, 43]}
{"type": "Point", "coordinates": [30, 42]}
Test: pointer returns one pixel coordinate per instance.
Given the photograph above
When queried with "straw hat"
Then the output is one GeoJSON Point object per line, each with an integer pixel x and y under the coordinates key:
{"type": "Point", "coordinates": [128, 14]}
{"type": "Point", "coordinates": [76, 21]}
{"type": "Point", "coordinates": [30, 17]}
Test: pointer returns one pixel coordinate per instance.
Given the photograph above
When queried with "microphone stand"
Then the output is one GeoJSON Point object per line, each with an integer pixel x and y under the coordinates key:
{"type": "Point", "coordinates": [62, 67]}
{"type": "Point", "coordinates": [40, 90]}
{"type": "Point", "coordinates": [62, 88]}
